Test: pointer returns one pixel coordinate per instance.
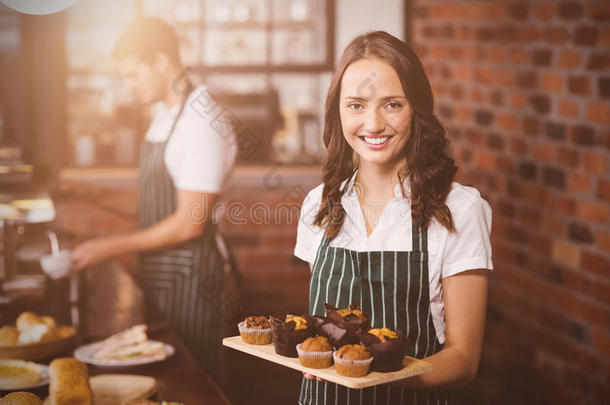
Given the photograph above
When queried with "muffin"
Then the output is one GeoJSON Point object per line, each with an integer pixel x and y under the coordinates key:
{"type": "Point", "coordinates": [388, 348]}
{"type": "Point", "coordinates": [255, 330]}
{"type": "Point", "coordinates": [352, 361]}
{"type": "Point", "coordinates": [315, 352]}
{"type": "Point", "coordinates": [290, 330]}
{"type": "Point", "coordinates": [341, 325]}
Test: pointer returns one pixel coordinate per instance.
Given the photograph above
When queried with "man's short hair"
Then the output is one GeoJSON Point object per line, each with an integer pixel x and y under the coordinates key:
{"type": "Point", "coordinates": [145, 38]}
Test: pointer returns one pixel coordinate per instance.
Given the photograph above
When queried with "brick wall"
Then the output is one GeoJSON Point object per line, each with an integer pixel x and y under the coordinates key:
{"type": "Point", "coordinates": [523, 88]}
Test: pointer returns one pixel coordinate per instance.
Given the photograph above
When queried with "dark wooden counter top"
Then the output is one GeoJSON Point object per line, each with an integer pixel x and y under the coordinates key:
{"type": "Point", "coordinates": [180, 378]}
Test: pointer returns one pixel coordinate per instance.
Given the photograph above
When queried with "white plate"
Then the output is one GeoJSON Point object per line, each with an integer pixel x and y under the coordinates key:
{"type": "Point", "coordinates": [85, 354]}
{"type": "Point", "coordinates": [44, 380]}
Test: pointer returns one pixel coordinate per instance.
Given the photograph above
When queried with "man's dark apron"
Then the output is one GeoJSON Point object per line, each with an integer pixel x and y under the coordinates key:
{"type": "Point", "coordinates": [183, 284]}
{"type": "Point", "coordinates": [391, 286]}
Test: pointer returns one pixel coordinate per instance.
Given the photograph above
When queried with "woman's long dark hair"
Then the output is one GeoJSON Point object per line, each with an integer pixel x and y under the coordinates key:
{"type": "Point", "coordinates": [430, 169]}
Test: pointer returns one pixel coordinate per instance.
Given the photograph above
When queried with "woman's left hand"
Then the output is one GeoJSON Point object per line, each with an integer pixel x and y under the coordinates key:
{"type": "Point", "coordinates": [93, 252]}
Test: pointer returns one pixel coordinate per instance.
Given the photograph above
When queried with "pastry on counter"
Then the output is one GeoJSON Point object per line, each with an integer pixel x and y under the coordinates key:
{"type": "Point", "coordinates": [341, 326]}
{"type": "Point", "coordinates": [388, 348]}
{"type": "Point", "coordinates": [69, 382]}
{"type": "Point", "coordinates": [290, 330]}
{"type": "Point", "coordinates": [352, 360]}
{"type": "Point", "coordinates": [20, 398]}
{"type": "Point", "coordinates": [315, 352]}
{"type": "Point", "coordinates": [8, 335]}
{"type": "Point", "coordinates": [120, 389]}
{"type": "Point", "coordinates": [255, 330]}
{"type": "Point", "coordinates": [18, 373]}
{"type": "Point", "coordinates": [31, 328]}
{"type": "Point", "coordinates": [130, 343]}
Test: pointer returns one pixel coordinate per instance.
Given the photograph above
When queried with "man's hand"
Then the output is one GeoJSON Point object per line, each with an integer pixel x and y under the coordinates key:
{"type": "Point", "coordinates": [92, 252]}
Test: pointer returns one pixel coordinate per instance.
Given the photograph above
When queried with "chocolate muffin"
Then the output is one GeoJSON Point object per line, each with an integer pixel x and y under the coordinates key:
{"type": "Point", "coordinates": [341, 325]}
{"type": "Point", "coordinates": [315, 352]}
{"type": "Point", "coordinates": [255, 330]}
{"type": "Point", "coordinates": [388, 348]}
{"type": "Point", "coordinates": [352, 361]}
{"type": "Point", "coordinates": [290, 330]}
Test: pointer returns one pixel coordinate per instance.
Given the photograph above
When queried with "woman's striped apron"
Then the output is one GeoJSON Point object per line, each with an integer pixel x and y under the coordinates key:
{"type": "Point", "coordinates": [183, 284]}
{"type": "Point", "coordinates": [391, 286]}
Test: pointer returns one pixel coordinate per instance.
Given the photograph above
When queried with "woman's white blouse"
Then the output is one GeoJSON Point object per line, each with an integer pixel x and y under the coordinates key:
{"type": "Point", "coordinates": [199, 156]}
{"type": "Point", "coordinates": [449, 254]}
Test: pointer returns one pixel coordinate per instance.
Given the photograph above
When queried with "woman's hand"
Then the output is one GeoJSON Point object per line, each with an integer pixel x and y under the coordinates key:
{"type": "Point", "coordinates": [308, 376]}
{"type": "Point", "coordinates": [93, 252]}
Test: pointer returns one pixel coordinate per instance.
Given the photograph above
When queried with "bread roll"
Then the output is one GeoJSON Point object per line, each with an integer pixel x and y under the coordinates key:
{"type": "Point", "coordinates": [49, 321]}
{"type": "Point", "coordinates": [69, 382]}
{"type": "Point", "coordinates": [26, 320]}
{"type": "Point", "coordinates": [8, 335]}
{"type": "Point", "coordinates": [21, 398]}
{"type": "Point", "coordinates": [37, 333]}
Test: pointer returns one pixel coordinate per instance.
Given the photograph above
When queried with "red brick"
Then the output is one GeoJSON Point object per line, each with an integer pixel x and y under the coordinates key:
{"type": "Point", "coordinates": [570, 59]}
{"type": "Point", "coordinates": [576, 281]}
{"type": "Point", "coordinates": [603, 189]}
{"type": "Point", "coordinates": [598, 10]}
{"type": "Point", "coordinates": [518, 100]}
{"type": "Point", "coordinates": [568, 108]}
{"type": "Point", "coordinates": [586, 35]}
{"type": "Point", "coordinates": [598, 112]}
{"type": "Point", "coordinates": [554, 224]}
{"type": "Point", "coordinates": [566, 253]}
{"type": "Point", "coordinates": [563, 204]}
{"type": "Point", "coordinates": [551, 82]}
{"type": "Point", "coordinates": [601, 291]}
{"type": "Point", "coordinates": [503, 78]}
{"type": "Point", "coordinates": [485, 159]}
{"type": "Point", "coordinates": [517, 146]}
{"type": "Point", "coordinates": [477, 95]}
{"type": "Point", "coordinates": [596, 263]}
{"type": "Point", "coordinates": [507, 122]}
{"type": "Point", "coordinates": [543, 152]}
{"type": "Point", "coordinates": [531, 33]}
{"type": "Point", "coordinates": [579, 182]}
{"type": "Point", "coordinates": [462, 113]}
{"type": "Point", "coordinates": [545, 11]}
{"type": "Point", "coordinates": [462, 73]}
{"type": "Point", "coordinates": [579, 85]}
{"type": "Point", "coordinates": [568, 156]}
{"type": "Point", "coordinates": [483, 75]}
{"type": "Point", "coordinates": [557, 35]}
{"type": "Point", "coordinates": [601, 341]}
{"type": "Point", "coordinates": [604, 36]}
{"type": "Point", "coordinates": [596, 163]}
{"type": "Point", "coordinates": [593, 212]}
{"type": "Point", "coordinates": [517, 56]}
{"type": "Point", "coordinates": [603, 240]}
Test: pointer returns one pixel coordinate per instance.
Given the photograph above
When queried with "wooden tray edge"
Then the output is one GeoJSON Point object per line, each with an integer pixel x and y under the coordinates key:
{"type": "Point", "coordinates": [235, 342]}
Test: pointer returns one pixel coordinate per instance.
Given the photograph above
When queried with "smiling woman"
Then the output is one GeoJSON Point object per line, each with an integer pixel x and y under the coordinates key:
{"type": "Point", "coordinates": [398, 235]}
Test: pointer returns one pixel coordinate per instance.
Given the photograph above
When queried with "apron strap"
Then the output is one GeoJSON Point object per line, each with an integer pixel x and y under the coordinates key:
{"type": "Point", "coordinates": [419, 236]}
{"type": "Point", "coordinates": [189, 89]}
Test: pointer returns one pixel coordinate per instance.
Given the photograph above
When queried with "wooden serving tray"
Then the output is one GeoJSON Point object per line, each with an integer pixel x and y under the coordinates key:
{"type": "Point", "coordinates": [411, 367]}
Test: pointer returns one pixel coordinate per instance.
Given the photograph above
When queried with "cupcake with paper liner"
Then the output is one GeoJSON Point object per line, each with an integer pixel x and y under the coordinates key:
{"type": "Point", "coordinates": [341, 325]}
{"type": "Point", "coordinates": [315, 352]}
{"type": "Point", "coordinates": [352, 361]}
{"type": "Point", "coordinates": [388, 348]}
{"type": "Point", "coordinates": [255, 330]}
{"type": "Point", "coordinates": [288, 331]}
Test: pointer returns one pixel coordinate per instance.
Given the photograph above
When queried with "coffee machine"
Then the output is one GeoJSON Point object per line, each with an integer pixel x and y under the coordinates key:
{"type": "Point", "coordinates": [22, 203]}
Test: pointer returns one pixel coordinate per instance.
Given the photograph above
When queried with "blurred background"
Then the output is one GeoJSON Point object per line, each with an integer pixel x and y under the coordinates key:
{"type": "Point", "coordinates": [522, 87]}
